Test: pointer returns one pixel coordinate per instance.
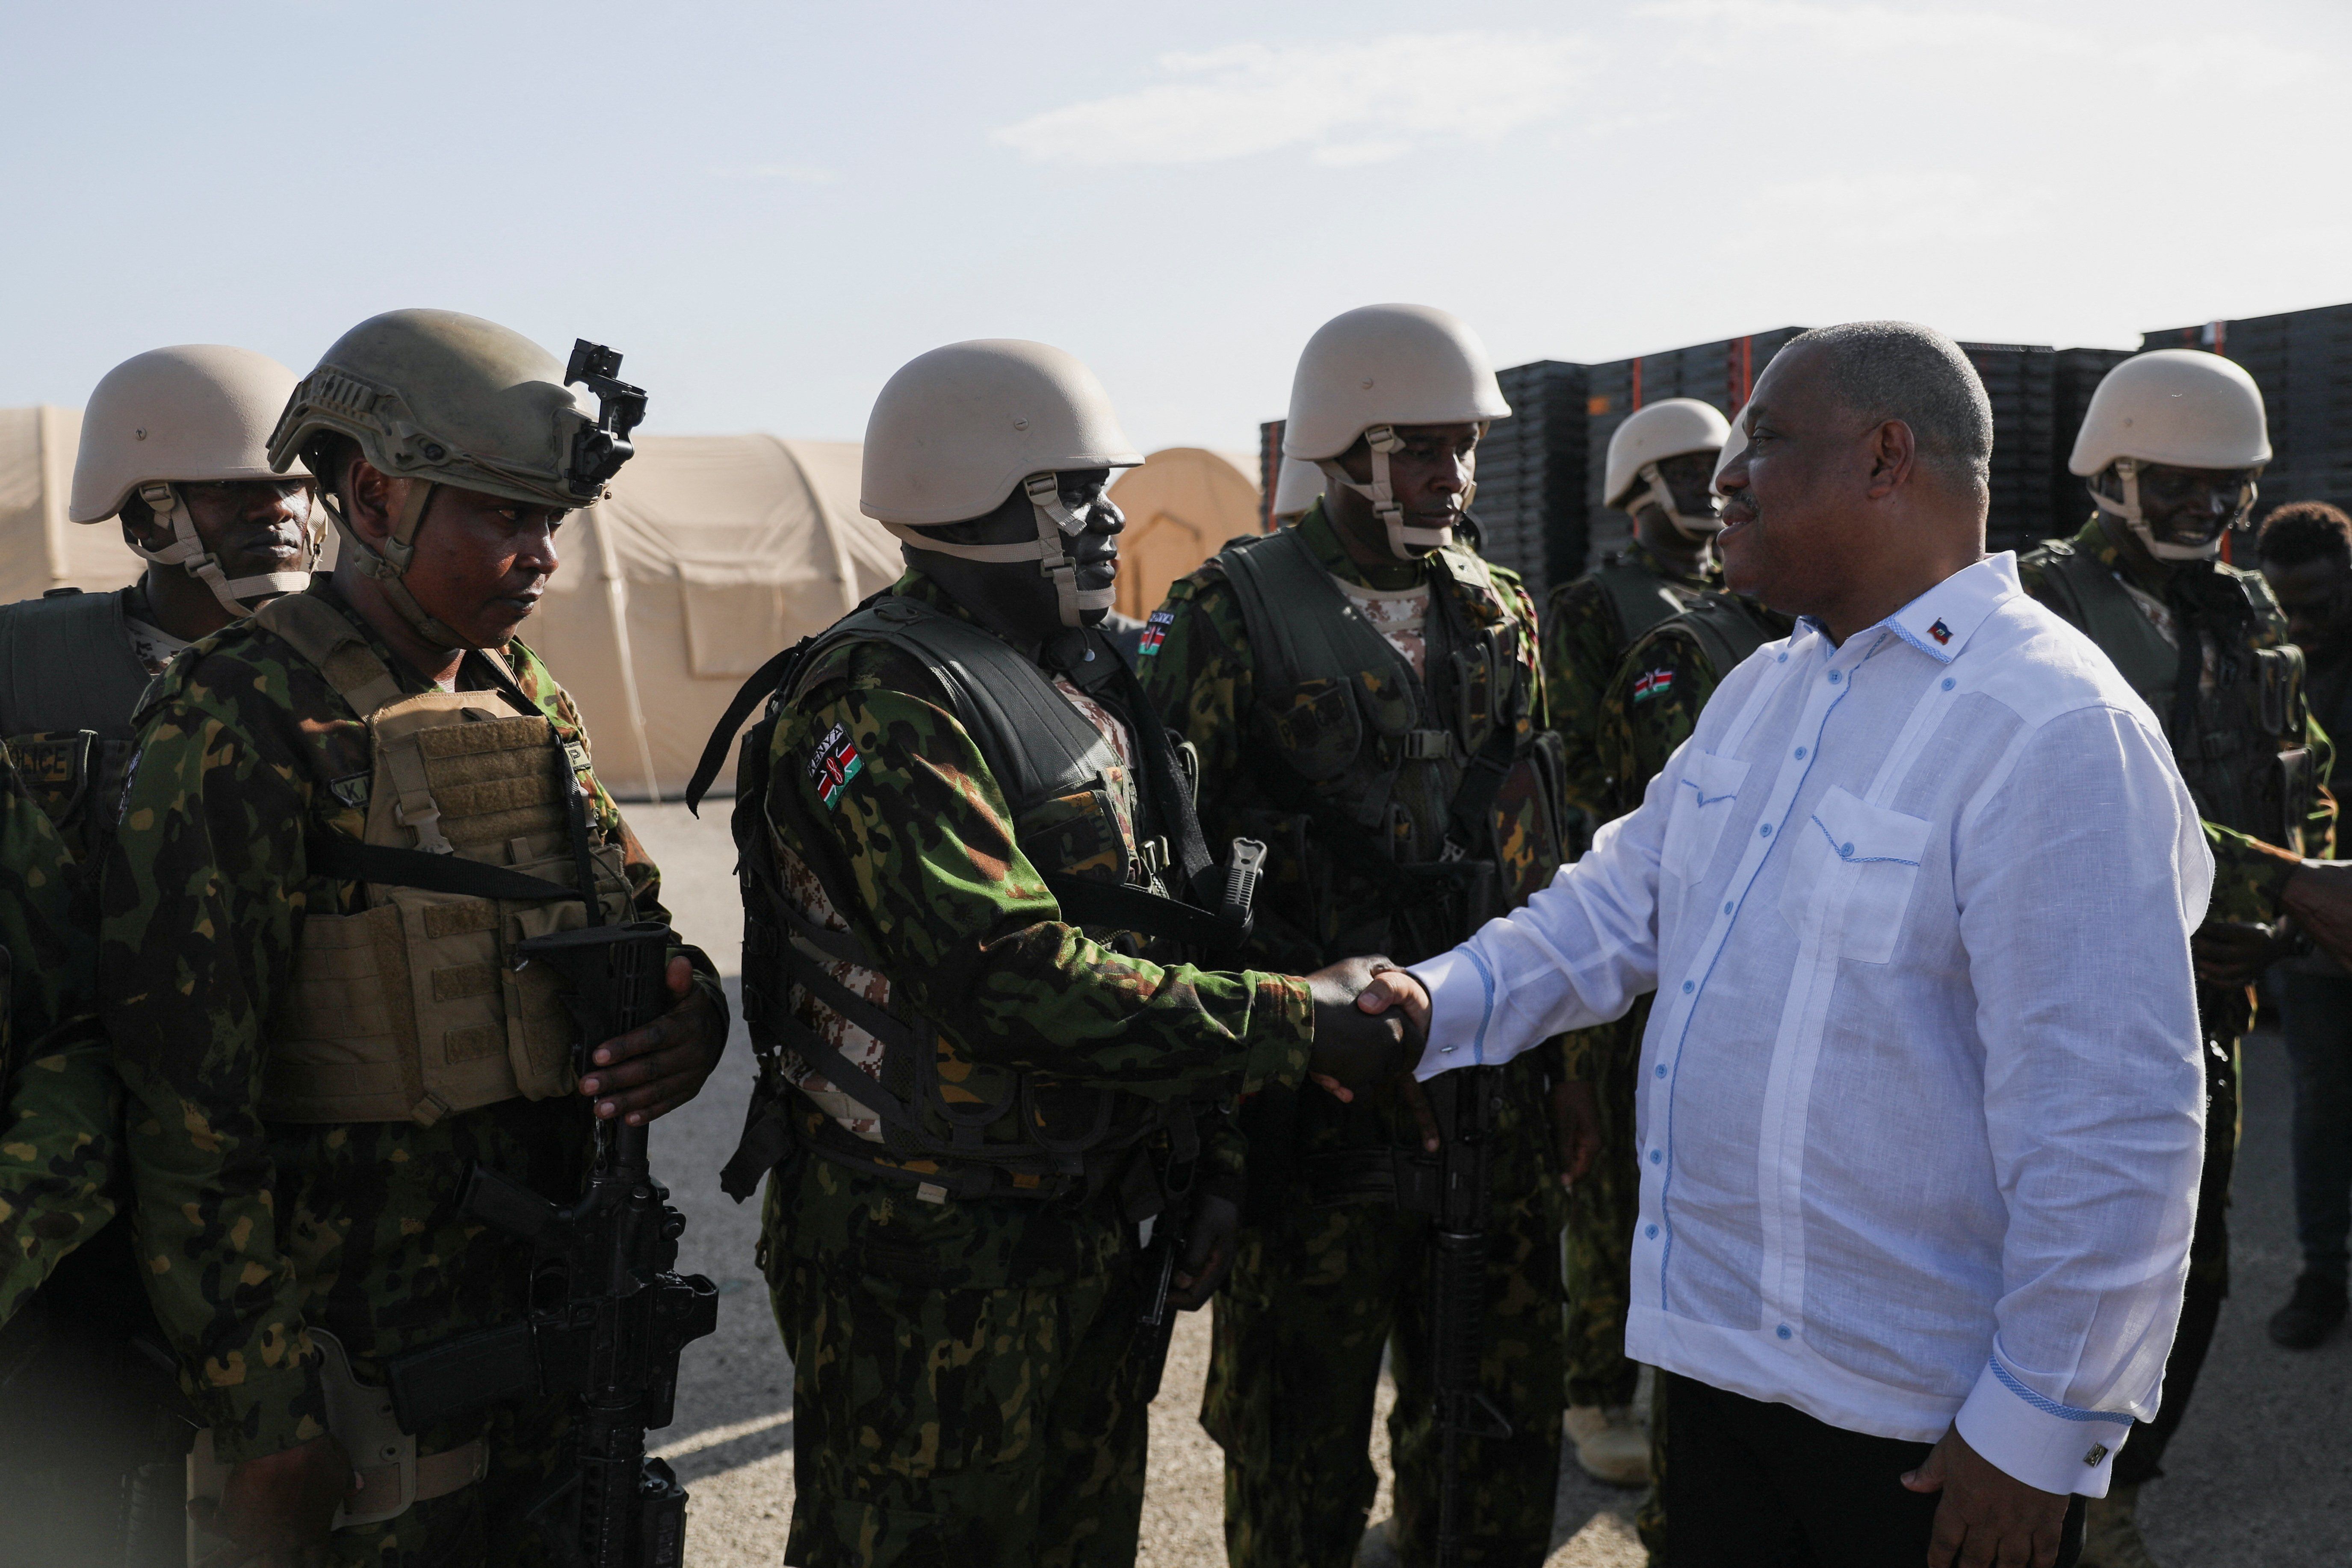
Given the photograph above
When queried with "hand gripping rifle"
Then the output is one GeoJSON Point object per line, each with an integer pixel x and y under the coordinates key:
{"type": "Point", "coordinates": [608, 1316]}
{"type": "Point", "coordinates": [1458, 1288]}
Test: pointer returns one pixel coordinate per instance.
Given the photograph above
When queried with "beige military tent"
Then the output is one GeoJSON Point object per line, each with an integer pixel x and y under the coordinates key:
{"type": "Point", "coordinates": [713, 553]}
{"type": "Point", "coordinates": [39, 550]}
{"type": "Point", "coordinates": [1182, 504]}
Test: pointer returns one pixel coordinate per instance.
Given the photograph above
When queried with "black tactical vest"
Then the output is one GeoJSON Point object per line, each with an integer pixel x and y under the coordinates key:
{"type": "Point", "coordinates": [1396, 773]}
{"type": "Point", "coordinates": [949, 1123]}
{"type": "Point", "coordinates": [2241, 748]}
{"type": "Point", "coordinates": [1639, 597]}
{"type": "Point", "coordinates": [68, 685]}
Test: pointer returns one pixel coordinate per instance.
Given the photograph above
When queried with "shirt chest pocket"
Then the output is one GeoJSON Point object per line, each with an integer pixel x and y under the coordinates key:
{"type": "Point", "coordinates": [1705, 788]}
{"type": "Point", "coordinates": [1851, 877]}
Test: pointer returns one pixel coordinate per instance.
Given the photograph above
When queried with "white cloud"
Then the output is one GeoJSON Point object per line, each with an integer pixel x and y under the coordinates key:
{"type": "Point", "coordinates": [1346, 103]}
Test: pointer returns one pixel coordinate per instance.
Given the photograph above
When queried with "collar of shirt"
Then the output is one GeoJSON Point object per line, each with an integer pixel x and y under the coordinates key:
{"type": "Point", "coordinates": [1938, 623]}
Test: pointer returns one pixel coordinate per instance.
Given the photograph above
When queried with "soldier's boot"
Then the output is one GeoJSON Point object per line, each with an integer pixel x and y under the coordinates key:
{"type": "Point", "coordinates": [2111, 1531]}
{"type": "Point", "coordinates": [2317, 1308]}
{"type": "Point", "coordinates": [1611, 1444]}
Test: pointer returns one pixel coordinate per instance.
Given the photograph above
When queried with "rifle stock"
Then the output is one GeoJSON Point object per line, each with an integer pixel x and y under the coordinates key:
{"type": "Point", "coordinates": [1458, 1288]}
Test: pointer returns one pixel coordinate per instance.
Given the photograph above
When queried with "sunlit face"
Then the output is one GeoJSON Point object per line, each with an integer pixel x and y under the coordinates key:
{"type": "Point", "coordinates": [252, 527]}
{"type": "Point", "coordinates": [1429, 474]}
{"type": "Point", "coordinates": [482, 562]}
{"type": "Point", "coordinates": [2188, 507]}
{"type": "Point", "coordinates": [1016, 591]}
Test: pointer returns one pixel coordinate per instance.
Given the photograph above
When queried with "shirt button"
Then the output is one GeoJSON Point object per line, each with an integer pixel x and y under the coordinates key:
{"type": "Point", "coordinates": [1782, 1330]}
{"type": "Point", "coordinates": [1650, 1231]}
{"type": "Point", "coordinates": [1835, 677]}
{"type": "Point", "coordinates": [1845, 851]}
{"type": "Point", "coordinates": [1949, 683]}
{"type": "Point", "coordinates": [1784, 658]}
{"type": "Point", "coordinates": [1688, 988]}
{"type": "Point", "coordinates": [1727, 906]}
{"type": "Point", "coordinates": [1657, 1156]}
{"type": "Point", "coordinates": [1801, 754]}
{"type": "Point", "coordinates": [1764, 830]}
{"type": "Point", "coordinates": [1662, 1069]}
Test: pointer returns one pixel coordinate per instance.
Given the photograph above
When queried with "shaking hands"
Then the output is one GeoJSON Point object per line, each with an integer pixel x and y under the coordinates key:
{"type": "Point", "coordinates": [1370, 1020]}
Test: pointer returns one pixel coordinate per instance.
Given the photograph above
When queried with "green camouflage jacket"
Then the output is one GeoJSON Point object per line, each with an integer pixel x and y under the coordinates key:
{"type": "Point", "coordinates": [2247, 876]}
{"type": "Point", "coordinates": [941, 893]}
{"type": "Point", "coordinates": [57, 1125]}
{"type": "Point", "coordinates": [1650, 707]}
{"type": "Point", "coordinates": [1200, 676]}
{"type": "Point", "coordinates": [252, 1230]}
{"type": "Point", "coordinates": [1584, 640]}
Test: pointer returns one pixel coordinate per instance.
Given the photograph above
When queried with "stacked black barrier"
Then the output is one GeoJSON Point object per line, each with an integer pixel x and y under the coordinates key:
{"type": "Point", "coordinates": [2079, 373]}
{"type": "Point", "coordinates": [1530, 502]}
{"type": "Point", "coordinates": [2020, 380]}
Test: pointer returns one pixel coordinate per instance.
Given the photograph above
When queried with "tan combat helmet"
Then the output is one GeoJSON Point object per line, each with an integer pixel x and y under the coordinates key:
{"type": "Point", "coordinates": [1375, 368]}
{"type": "Point", "coordinates": [196, 413]}
{"type": "Point", "coordinates": [2183, 407]}
{"type": "Point", "coordinates": [455, 400]}
{"type": "Point", "coordinates": [1675, 427]}
{"type": "Point", "coordinates": [1297, 485]}
{"type": "Point", "coordinates": [957, 430]}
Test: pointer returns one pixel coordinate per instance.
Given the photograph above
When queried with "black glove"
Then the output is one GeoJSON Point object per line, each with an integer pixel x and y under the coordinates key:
{"type": "Point", "coordinates": [1356, 1049]}
{"type": "Point", "coordinates": [1208, 1251]}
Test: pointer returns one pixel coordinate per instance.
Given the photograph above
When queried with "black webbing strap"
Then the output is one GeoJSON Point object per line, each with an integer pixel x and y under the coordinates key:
{"type": "Point", "coordinates": [350, 860]}
{"type": "Point", "coordinates": [750, 695]}
{"type": "Point", "coordinates": [1125, 907]}
{"type": "Point", "coordinates": [568, 784]}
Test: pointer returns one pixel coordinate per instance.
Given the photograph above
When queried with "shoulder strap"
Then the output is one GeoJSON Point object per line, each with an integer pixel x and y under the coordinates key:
{"type": "Point", "coordinates": [2103, 611]}
{"type": "Point", "coordinates": [1301, 627]}
{"type": "Point", "coordinates": [1726, 629]}
{"type": "Point", "coordinates": [322, 635]}
{"type": "Point", "coordinates": [1638, 596]}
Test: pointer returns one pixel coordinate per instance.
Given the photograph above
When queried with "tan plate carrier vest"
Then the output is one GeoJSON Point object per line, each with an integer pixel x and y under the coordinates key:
{"type": "Point", "coordinates": [412, 1008]}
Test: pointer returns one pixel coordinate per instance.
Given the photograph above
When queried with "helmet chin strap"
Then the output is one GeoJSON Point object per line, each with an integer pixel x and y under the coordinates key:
{"type": "Point", "coordinates": [2127, 470]}
{"type": "Point", "coordinates": [236, 595]}
{"type": "Point", "coordinates": [1057, 525]}
{"type": "Point", "coordinates": [1405, 543]}
{"type": "Point", "coordinates": [389, 565]}
{"type": "Point", "coordinates": [1697, 530]}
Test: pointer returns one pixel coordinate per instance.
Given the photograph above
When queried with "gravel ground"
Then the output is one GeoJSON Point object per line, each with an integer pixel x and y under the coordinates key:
{"type": "Point", "coordinates": [2259, 1476]}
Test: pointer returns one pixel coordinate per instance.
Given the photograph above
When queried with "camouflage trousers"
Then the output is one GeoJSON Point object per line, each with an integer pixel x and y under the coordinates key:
{"type": "Point", "coordinates": [967, 1426]}
{"type": "Point", "coordinates": [1313, 1302]}
{"type": "Point", "coordinates": [1601, 1210]}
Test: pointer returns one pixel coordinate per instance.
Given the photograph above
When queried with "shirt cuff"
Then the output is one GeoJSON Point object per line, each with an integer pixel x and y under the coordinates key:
{"type": "Point", "coordinates": [2032, 1438]}
{"type": "Point", "coordinates": [1461, 1004]}
{"type": "Point", "coordinates": [1283, 1031]}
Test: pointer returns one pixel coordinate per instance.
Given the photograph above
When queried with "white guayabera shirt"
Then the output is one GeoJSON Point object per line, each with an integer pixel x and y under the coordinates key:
{"type": "Point", "coordinates": [1921, 1105]}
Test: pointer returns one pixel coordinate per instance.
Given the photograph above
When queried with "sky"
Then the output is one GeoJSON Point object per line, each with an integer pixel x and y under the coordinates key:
{"type": "Point", "coordinates": [770, 207]}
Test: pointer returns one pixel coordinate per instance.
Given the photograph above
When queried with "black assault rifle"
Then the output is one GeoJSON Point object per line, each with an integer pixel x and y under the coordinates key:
{"type": "Point", "coordinates": [608, 1316]}
{"type": "Point", "coordinates": [1466, 1098]}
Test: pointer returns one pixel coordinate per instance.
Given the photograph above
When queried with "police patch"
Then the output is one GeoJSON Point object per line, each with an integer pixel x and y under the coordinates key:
{"type": "Point", "coordinates": [834, 763]}
{"type": "Point", "coordinates": [1155, 632]}
{"type": "Point", "coordinates": [1653, 683]}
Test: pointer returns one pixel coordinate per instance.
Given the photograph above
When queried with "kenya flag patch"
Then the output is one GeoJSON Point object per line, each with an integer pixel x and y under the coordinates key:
{"type": "Point", "coordinates": [837, 762]}
{"type": "Point", "coordinates": [1653, 683]}
{"type": "Point", "coordinates": [1155, 632]}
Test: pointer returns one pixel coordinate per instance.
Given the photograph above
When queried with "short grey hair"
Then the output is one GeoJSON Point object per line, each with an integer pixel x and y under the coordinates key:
{"type": "Point", "coordinates": [1901, 369]}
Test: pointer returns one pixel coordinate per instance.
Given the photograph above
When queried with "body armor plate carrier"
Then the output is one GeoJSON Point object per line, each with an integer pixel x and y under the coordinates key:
{"type": "Point", "coordinates": [413, 1008]}
{"type": "Point", "coordinates": [2241, 747]}
{"type": "Point", "coordinates": [949, 1124]}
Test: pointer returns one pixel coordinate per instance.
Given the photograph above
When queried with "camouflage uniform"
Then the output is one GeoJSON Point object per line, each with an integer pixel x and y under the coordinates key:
{"type": "Point", "coordinates": [1321, 1290]}
{"type": "Point", "coordinates": [972, 1383]}
{"type": "Point", "coordinates": [57, 1138]}
{"type": "Point", "coordinates": [1652, 706]}
{"type": "Point", "coordinates": [254, 1230]}
{"type": "Point", "coordinates": [2247, 874]}
{"type": "Point", "coordinates": [1587, 626]}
